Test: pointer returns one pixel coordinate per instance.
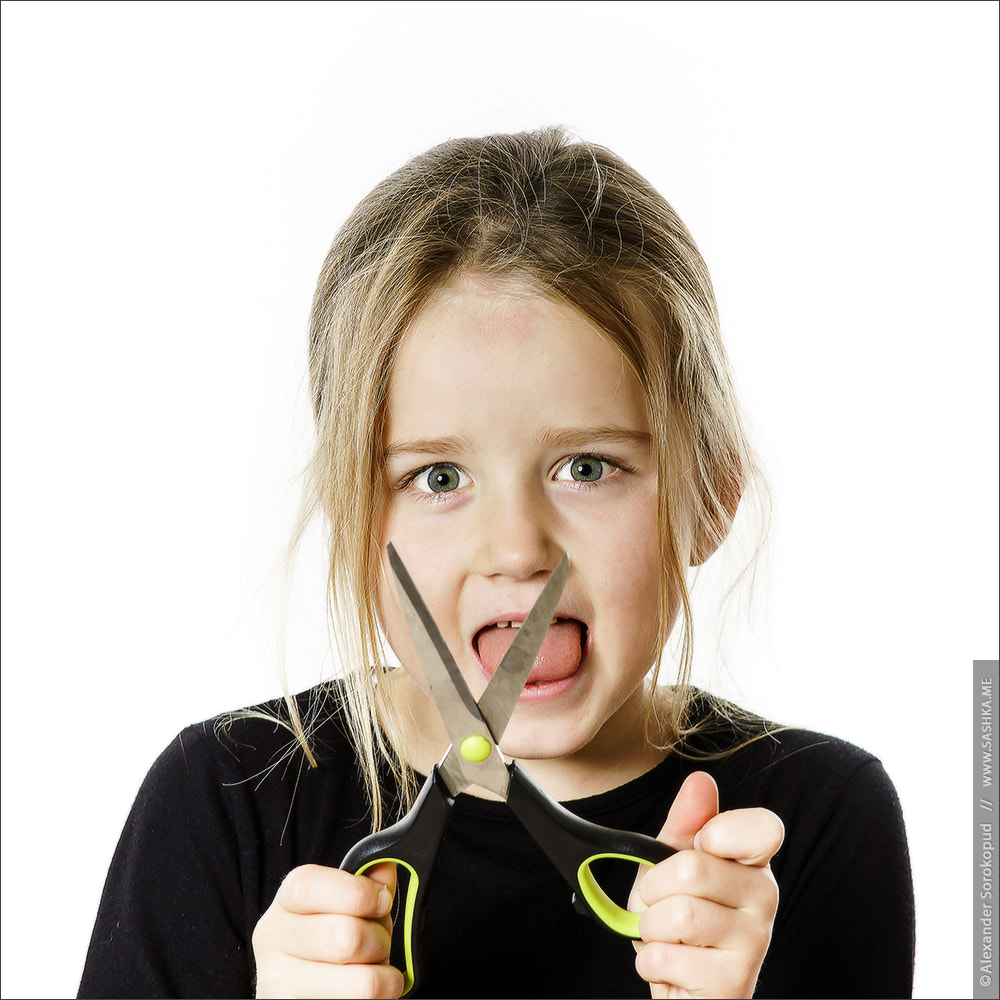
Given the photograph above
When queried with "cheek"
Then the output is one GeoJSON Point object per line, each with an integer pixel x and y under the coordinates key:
{"type": "Point", "coordinates": [431, 584]}
{"type": "Point", "coordinates": [630, 582]}
{"type": "Point", "coordinates": [631, 551]}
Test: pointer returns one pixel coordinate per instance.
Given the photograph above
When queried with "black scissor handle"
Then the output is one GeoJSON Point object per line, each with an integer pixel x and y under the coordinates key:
{"type": "Point", "coordinates": [573, 844]}
{"type": "Point", "coordinates": [413, 842]}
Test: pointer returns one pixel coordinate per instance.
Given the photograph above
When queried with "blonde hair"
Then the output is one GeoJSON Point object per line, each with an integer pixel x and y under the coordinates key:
{"type": "Point", "coordinates": [579, 225]}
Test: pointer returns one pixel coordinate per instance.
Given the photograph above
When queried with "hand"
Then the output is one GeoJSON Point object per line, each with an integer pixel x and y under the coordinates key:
{"type": "Point", "coordinates": [710, 907]}
{"type": "Point", "coordinates": [327, 934]}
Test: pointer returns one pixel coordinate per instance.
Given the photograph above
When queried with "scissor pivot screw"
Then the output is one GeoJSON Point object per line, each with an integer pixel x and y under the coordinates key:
{"type": "Point", "coordinates": [476, 748]}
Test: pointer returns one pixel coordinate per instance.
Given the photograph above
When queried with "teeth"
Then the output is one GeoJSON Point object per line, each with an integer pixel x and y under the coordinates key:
{"type": "Point", "coordinates": [518, 624]}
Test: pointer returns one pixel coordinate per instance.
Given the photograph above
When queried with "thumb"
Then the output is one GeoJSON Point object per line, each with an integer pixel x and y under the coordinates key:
{"type": "Point", "coordinates": [384, 873]}
{"type": "Point", "coordinates": [694, 805]}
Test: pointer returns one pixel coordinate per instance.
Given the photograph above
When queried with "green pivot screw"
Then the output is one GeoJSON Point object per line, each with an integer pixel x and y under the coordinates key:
{"type": "Point", "coordinates": [476, 749]}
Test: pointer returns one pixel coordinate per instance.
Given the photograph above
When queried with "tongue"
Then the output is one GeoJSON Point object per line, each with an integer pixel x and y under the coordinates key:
{"type": "Point", "coordinates": [559, 656]}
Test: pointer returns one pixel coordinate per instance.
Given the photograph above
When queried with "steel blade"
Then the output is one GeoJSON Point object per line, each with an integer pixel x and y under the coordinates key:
{"type": "Point", "coordinates": [461, 765]}
{"type": "Point", "coordinates": [445, 679]}
{"type": "Point", "coordinates": [500, 697]}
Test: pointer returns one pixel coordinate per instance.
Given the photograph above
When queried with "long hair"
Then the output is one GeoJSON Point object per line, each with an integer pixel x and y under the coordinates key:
{"type": "Point", "coordinates": [576, 223]}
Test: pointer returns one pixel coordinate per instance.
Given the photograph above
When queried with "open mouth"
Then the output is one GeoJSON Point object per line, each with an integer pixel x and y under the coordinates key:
{"type": "Point", "coordinates": [558, 658]}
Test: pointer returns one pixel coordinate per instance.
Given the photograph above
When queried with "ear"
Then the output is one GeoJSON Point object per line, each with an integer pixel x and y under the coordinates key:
{"type": "Point", "coordinates": [716, 519]}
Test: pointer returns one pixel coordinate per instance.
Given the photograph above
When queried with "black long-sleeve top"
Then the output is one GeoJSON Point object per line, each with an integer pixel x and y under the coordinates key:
{"type": "Point", "coordinates": [222, 818]}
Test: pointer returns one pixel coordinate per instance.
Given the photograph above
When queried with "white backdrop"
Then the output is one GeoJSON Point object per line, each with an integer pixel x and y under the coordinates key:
{"type": "Point", "coordinates": [173, 175]}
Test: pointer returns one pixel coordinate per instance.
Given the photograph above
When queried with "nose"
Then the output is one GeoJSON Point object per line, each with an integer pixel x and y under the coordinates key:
{"type": "Point", "coordinates": [516, 534]}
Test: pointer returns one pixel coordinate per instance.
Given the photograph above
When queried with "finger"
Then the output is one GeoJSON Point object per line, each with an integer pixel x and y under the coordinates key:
{"type": "Point", "coordinates": [315, 889]}
{"type": "Point", "coordinates": [334, 937]}
{"type": "Point", "coordinates": [708, 972]}
{"type": "Point", "coordinates": [726, 882]}
{"type": "Point", "coordinates": [299, 978]}
{"type": "Point", "coordinates": [385, 874]}
{"type": "Point", "coordinates": [702, 923]}
{"type": "Point", "coordinates": [694, 805]}
{"type": "Point", "coordinates": [750, 836]}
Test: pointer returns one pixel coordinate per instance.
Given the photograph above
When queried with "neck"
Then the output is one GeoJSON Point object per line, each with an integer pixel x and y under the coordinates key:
{"type": "Point", "coordinates": [618, 753]}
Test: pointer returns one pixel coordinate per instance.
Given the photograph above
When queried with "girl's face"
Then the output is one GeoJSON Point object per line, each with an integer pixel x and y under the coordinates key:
{"type": "Point", "coordinates": [515, 432]}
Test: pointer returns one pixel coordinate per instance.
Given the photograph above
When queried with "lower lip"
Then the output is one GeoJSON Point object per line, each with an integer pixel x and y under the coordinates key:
{"type": "Point", "coordinates": [547, 689]}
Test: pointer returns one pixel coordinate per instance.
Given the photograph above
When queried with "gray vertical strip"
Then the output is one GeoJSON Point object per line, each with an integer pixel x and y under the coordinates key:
{"type": "Point", "coordinates": [985, 898]}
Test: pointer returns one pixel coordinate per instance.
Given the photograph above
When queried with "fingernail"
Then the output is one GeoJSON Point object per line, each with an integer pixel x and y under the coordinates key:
{"type": "Point", "coordinates": [384, 903]}
{"type": "Point", "coordinates": [697, 841]}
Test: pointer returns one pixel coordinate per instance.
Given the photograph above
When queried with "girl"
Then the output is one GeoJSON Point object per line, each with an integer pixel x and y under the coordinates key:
{"type": "Point", "coordinates": [514, 352]}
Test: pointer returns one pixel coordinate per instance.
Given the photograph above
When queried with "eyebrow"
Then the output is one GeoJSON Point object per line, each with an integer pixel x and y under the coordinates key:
{"type": "Point", "coordinates": [572, 437]}
{"type": "Point", "coordinates": [425, 446]}
{"type": "Point", "coordinates": [563, 437]}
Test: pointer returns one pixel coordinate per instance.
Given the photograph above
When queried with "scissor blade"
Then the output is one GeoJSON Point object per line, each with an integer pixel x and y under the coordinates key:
{"type": "Point", "coordinates": [496, 705]}
{"type": "Point", "coordinates": [450, 692]}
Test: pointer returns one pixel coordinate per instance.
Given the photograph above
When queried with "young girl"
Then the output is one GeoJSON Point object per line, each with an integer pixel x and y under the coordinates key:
{"type": "Point", "coordinates": [514, 353]}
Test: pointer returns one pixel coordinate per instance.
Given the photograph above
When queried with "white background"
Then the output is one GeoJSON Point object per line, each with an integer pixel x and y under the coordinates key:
{"type": "Point", "coordinates": [173, 175]}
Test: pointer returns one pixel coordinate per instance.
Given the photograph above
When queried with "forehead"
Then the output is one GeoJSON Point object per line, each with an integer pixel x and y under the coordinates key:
{"type": "Point", "coordinates": [481, 351]}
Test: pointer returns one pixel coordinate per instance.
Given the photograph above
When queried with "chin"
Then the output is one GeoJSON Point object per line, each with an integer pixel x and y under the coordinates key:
{"type": "Point", "coordinates": [546, 739]}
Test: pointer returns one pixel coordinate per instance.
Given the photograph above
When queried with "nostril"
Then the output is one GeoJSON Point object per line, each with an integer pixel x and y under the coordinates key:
{"type": "Point", "coordinates": [516, 544]}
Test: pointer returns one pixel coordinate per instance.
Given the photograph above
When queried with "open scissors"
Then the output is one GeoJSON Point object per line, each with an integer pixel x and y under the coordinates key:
{"type": "Point", "coordinates": [473, 758]}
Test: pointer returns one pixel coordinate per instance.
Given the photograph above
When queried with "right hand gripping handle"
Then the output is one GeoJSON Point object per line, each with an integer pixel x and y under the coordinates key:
{"type": "Point", "coordinates": [413, 842]}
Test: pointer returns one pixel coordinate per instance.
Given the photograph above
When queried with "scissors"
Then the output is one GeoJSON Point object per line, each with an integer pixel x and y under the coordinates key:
{"type": "Point", "coordinates": [473, 758]}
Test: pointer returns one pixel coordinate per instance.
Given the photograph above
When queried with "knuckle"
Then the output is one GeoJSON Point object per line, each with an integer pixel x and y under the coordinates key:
{"type": "Point", "coordinates": [359, 895]}
{"type": "Point", "coordinates": [682, 917]}
{"type": "Point", "coordinates": [354, 896]}
{"type": "Point", "coordinates": [366, 983]}
{"type": "Point", "coordinates": [760, 939]}
{"type": "Point", "coordinates": [267, 934]}
{"type": "Point", "coordinates": [345, 938]}
{"type": "Point", "coordinates": [269, 985]}
{"type": "Point", "coordinates": [297, 887]}
{"type": "Point", "coordinates": [771, 896]}
{"type": "Point", "coordinates": [689, 869]}
{"type": "Point", "coordinates": [770, 834]}
{"type": "Point", "coordinates": [767, 894]}
{"type": "Point", "coordinates": [654, 962]}
{"type": "Point", "coordinates": [371, 981]}
{"type": "Point", "coordinates": [778, 827]}
{"type": "Point", "coordinates": [259, 938]}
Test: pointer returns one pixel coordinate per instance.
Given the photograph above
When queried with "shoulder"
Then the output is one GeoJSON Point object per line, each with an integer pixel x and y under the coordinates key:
{"type": "Point", "coordinates": [246, 774]}
{"type": "Point", "coordinates": [826, 790]}
{"type": "Point", "coordinates": [224, 813]}
{"type": "Point", "coordinates": [771, 760]}
{"type": "Point", "coordinates": [254, 741]}
{"type": "Point", "coordinates": [840, 810]}
{"type": "Point", "coordinates": [237, 793]}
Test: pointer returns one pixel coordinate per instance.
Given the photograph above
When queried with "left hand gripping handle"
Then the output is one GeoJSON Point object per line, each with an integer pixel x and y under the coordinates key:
{"type": "Point", "coordinates": [413, 842]}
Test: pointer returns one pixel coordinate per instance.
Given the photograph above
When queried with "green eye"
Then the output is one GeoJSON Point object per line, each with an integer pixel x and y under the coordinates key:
{"type": "Point", "coordinates": [582, 469]}
{"type": "Point", "coordinates": [441, 478]}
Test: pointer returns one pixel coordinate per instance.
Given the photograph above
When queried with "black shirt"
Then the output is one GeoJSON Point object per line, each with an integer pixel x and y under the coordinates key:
{"type": "Point", "coordinates": [222, 817]}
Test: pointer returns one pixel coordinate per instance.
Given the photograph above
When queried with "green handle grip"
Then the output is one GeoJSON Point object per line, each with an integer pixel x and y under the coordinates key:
{"type": "Point", "coordinates": [412, 892]}
{"type": "Point", "coordinates": [601, 905]}
{"type": "Point", "coordinates": [573, 844]}
{"type": "Point", "coordinates": [413, 842]}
